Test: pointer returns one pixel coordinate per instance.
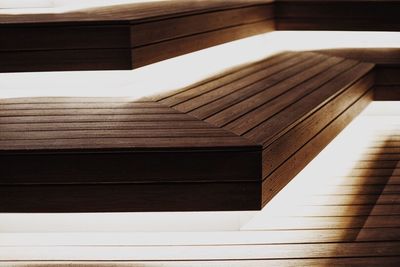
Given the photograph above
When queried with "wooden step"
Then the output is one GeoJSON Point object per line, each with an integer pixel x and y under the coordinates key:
{"type": "Point", "coordinates": [229, 143]}
{"type": "Point", "coordinates": [293, 113]}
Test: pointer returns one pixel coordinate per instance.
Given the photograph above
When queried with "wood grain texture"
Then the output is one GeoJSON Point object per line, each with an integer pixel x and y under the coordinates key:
{"type": "Point", "coordinates": [125, 36]}
{"type": "Point", "coordinates": [207, 196]}
{"type": "Point", "coordinates": [387, 61]}
{"type": "Point", "coordinates": [284, 107]}
{"type": "Point", "coordinates": [282, 175]}
{"type": "Point", "coordinates": [76, 144]}
{"type": "Point", "coordinates": [156, 52]}
{"type": "Point", "coordinates": [337, 15]}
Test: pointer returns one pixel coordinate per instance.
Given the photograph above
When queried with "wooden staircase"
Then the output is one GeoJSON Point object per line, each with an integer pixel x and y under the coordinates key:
{"type": "Point", "coordinates": [230, 143]}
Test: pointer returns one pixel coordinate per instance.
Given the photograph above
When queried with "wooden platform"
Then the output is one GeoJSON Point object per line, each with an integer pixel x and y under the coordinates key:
{"type": "Point", "coordinates": [348, 217]}
{"type": "Point", "coordinates": [293, 106]}
{"type": "Point", "coordinates": [229, 143]}
{"type": "Point", "coordinates": [129, 36]}
{"type": "Point", "coordinates": [125, 36]}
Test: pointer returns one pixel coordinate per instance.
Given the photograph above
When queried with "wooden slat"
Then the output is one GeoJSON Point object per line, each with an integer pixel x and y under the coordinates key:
{"type": "Point", "coordinates": [253, 83]}
{"type": "Point", "coordinates": [270, 128]}
{"type": "Point", "coordinates": [337, 15]}
{"type": "Point", "coordinates": [66, 60]}
{"type": "Point", "coordinates": [282, 175]}
{"type": "Point", "coordinates": [55, 37]}
{"type": "Point", "coordinates": [224, 79]}
{"type": "Point", "coordinates": [252, 74]}
{"type": "Point", "coordinates": [305, 83]}
{"type": "Point", "coordinates": [275, 153]}
{"type": "Point", "coordinates": [161, 30]}
{"type": "Point", "coordinates": [148, 54]}
{"type": "Point", "coordinates": [128, 167]}
{"type": "Point", "coordinates": [221, 103]}
{"type": "Point", "coordinates": [128, 197]}
{"type": "Point", "coordinates": [57, 126]}
{"type": "Point", "coordinates": [387, 92]}
{"type": "Point", "coordinates": [246, 252]}
{"type": "Point", "coordinates": [353, 261]}
{"type": "Point", "coordinates": [279, 85]}
{"type": "Point", "coordinates": [137, 12]}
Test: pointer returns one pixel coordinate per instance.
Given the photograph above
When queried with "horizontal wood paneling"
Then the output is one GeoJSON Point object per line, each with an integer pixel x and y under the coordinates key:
{"type": "Point", "coordinates": [53, 37]}
{"type": "Point", "coordinates": [121, 41]}
{"type": "Point", "coordinates": [65, 60]}
{"type": "Point", "coordinates": [337, 15]}
{"type": "Point", "coordinates": [387, 92]}
{"type": "Point", "coordinates": [130, 197]}
{"type": "Point", "coordinates": [152, 53]}
{"type": "Point", "coordinates": [162, 30]}
{"type": "Point", "coordinates": [130, 167]}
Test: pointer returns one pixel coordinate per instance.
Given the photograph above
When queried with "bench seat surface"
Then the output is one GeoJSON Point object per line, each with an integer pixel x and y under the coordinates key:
{"type": "Point", "coordinates": [228, 143]}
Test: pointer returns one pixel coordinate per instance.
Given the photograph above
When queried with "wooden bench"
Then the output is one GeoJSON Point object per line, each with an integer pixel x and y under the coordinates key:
{"type": "Point", "coordinates": [228, 143]}
{"type": "Point", "coordinates": [293, 105]}
{"type": "Point", "coordinates": [125, 36]}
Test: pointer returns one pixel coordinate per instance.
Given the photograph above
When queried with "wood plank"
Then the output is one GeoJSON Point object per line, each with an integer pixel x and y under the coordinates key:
{"type": "Point", "coordinates": [275, 182]}
{"type": "Point", "coordinates": [66, 60]}
{"type": "Point", "coordinates": [130, 167]}
{"type": "Point", "coordinates": [58, 126]}
{"type": "Point", "coordinates": [4, 106]}
{"type": "Point", "coordinates": [300, 109]}
{"type": "Point", "coordinates": [148, 54]}
{"type": "Point", "coordinates": [199, 238]}
{"type": "Point", "coordinates": [97, 134]}
{"type": "Point", "coordinates": [385, 199]}
{"type": "Point", "coordinates": [381, 56]}
{"type": "Point", "coordinates": [225, 78]}
{"type": "Point", "coordinates": [388, 75]}
{"type": "Point", "coordinates": [96, 118]}
{"type": "Point", "coordinates": [290, 251]}
{"type": "Point", "coordinates": [364, 180]}
{"type": "Point", "coordinates": [353, 261]}
{"type": "Point", "coordinates": [334, 24]}
{"type": "Point", "coordinates": [83, 112]}
{"type": "Point", "coordinates": [341, 222]}
{"type": "Point", "coordinates": [305, 83]}
{"type": "Point", "coordinates": [72, 101]}
{"type": "Point", "coordinates": [341, 210]}
{"type": "Point", "coordinates": [255, 83]}
{"type": "Point", "coordinates": [270, 66]}
{"type": "Point", "coordinates": [387, 92]}
{"type": "Point", "coordinates": [130, 197]}
{"type": "Point", "coordinates": [277, 85]}
{"type": "Point", "coordinates": [161, 30]}
{"type": "Point", "coordinates": [138, 12]}
{"type": "Point", "coordinates": [276, 152]}
{"type": "Point", "coordinates": [56, 37]}
{"type": "Point", "coordinates": [337, 15]}
{"type": "Point", "coordinates": [127, 143]}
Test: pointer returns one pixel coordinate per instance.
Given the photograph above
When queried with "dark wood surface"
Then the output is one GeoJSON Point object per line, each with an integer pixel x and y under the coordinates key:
{"type": "Point", "coordinates": [387, 60]}
{"type": "Point", "coordinates": [142, 11]}
{"type": "Point", "coordinates": [337, 15]}
{"type": "Point", "coordinates": [125, 36]}
{"type": "Point", "coordinates": [245, 127]}
{"type": "Point", "coordinates": [283, 103]}
{"type": "Point", "coordinates": [62, 153]}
